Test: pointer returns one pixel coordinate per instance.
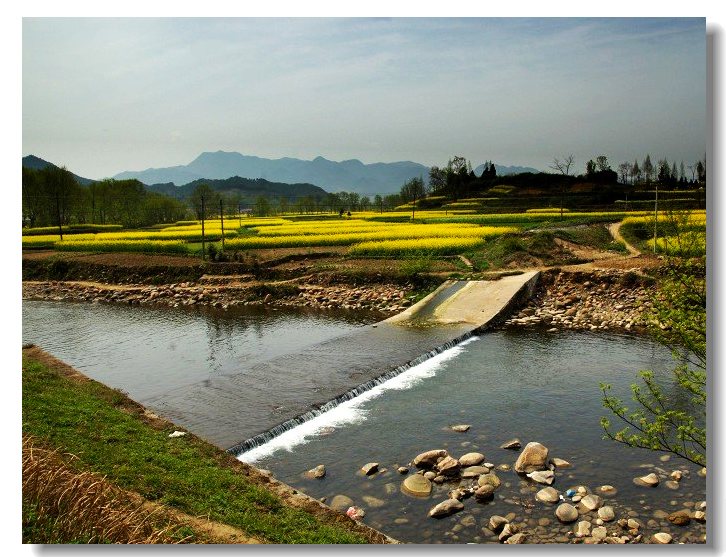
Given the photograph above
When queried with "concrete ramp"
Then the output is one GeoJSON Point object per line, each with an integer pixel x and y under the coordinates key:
{"type": "Point", "coordinates": [291, 389]}
{"type": "Point", "coordinates": [476, 303]}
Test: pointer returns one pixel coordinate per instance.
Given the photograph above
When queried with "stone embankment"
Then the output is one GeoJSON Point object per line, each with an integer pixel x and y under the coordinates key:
{"type": "Point", "coordinates": [387, 299]}
{"type": "Point", "coordinates": [596, 300]}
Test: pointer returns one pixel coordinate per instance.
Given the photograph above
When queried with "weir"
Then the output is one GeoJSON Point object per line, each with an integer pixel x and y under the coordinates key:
{"type": "Point", "coordinates": [291, 389]}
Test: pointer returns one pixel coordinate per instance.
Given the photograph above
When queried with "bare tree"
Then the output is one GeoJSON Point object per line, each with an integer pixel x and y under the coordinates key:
{"type": "Point", "coordinates": [563, 166]}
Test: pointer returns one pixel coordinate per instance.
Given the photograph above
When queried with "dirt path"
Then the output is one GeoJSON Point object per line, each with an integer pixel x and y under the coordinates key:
{"type": "Point", "coordinates": [614, 229]}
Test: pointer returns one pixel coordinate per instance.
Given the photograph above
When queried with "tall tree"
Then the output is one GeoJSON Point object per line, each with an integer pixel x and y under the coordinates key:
{"type": "Point", "coordinates": [648, 169]}
{"type": "Point", "coordinates": [636, 173]}
{"type": "Point", "coordinates": [563, 166]}
{"type": "Point", "coordinates": [437, 179]}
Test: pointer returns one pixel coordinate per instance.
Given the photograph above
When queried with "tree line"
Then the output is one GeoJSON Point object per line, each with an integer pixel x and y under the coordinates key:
{"type": "Point", "coordinates": [51, 196]}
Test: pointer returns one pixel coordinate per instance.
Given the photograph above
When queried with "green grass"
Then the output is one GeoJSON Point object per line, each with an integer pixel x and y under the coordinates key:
{"type": "Point", "coordinates": [596, 236]}
{"type": "Point", "coordinates": [184, 473]}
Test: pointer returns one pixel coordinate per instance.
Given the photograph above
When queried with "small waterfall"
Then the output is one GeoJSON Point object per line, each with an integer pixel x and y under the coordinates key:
{"type": "Point", "coordinates": [270, 434]}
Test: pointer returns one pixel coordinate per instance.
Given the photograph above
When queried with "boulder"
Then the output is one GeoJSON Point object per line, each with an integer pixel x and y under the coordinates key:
{"type": "Point", "coordinates": [446, 508]}
{"type": "Point", "coordinates": [508, 531]}
{"type": "Point", "coordinates": [496, 523]}
{"type": "Point", "coordinates": [519, 537]}
{"type": "Point", "coordinates": [429, 459]}
{"type": "Point", "coordinates": [661, 537]}
{"type": "Point", "coordinates": [649, 480]}
{"type": "Point", "coordinates": [513, 444]}
{"type": "Point", "coordinates": [548, 495]}
{"type": "Point", "coordinates": [370, 468]}
{"type": "Point", "coordinates": [491, 478]}
{"type": "Point", "coordinates": [582, 530]}
{"type": "Point", "coordinates": [449, 466]}
{"type": "Point", "coordinates": [484, 493]}
{"type": "Point", "coordinates": [532, 458]}
{"type": "Point", "coordinates": [317, 472]}
{"type": "Point", "coordinates": [473, 471]}
{"type": "Point", "coordinates": [606, 513]}
{"type": "Point", "coordinates": [566, 513]}
{"type": "Point", "coordinates": [599, 533]}
{"type": "Point", "coordinates": [591, 502]}
{"type": "Point", "coordinates": [680, 518]}
{"type": "Point", "coordinates": [471, 459]}
{"type": "Point", "coordinates": [416, 485]}
{"type": "Point", "coordinates": [341, 502]}
{"type": "Point", "coordinates": [542, 477]}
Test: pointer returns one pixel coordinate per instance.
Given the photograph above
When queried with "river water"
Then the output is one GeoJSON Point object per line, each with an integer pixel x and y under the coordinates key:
{"type": "Point", "coordinates": [530, 384]}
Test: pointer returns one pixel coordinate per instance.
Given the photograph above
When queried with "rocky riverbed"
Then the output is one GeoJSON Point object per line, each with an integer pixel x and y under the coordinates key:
{"type": "Point", "coordinates": [387, 299]}
{"type": "Point", "coordinates": [598, 300]}
{"type": "Point", "coordinates": [460, 490]}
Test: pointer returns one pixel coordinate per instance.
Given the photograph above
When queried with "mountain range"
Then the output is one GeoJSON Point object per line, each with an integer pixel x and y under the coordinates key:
{"type": "Point", "coordinates": [36, 163]}
{"type": "Point", "coordinates": [349, 175]}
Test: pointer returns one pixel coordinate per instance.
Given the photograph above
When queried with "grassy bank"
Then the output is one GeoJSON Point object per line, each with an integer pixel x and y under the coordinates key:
{"type": "Point", "coordinates": [114, 437]}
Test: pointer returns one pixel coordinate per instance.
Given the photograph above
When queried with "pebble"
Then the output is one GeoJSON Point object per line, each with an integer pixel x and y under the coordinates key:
{"type": "Point", "coordinates": [497, 522]}
{"type": "Point", "coordinates": [317, 472]}
{"type": "Point", "coordinates": [548, 495]}
{"type": "Point", "coordinates": [606, 513]}
{"type": "Point", "coordinates": [649, 480]}
{"type": "Point", "coordinates": [591, 502]}
{"type": "Point", "coordinates": [461, 427]}
{"type": "Point", "coordinates": [417, 485]}
{"type": "Point", "coordinates": [513, 444]}
{"type": "Point", "coordinates": [370, 468]}
{"type": "Point", "coordinates": [471, 459]}
{"type": "Point", "coordinates": [446, 508]}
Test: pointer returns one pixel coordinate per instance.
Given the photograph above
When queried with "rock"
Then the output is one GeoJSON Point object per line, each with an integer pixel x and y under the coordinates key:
{"type": "Point", "coordinates": [599, 533]}
{"type": "Point", "coordinates": [373, 502]}
{"type": "Point", "coordinates": [429, 475]}
{"type": "Point", "coordinates": [504, 467]}
{"type": "Point", "coordinates": [513, 444]}
{"type": "Point", "coordinates": [471, 459]}
{"type": "Point", "coordinates": [439, 480]}
{"type": "Point", "coordinates": [702, 472]}
{"type": "Point", "coordinates": [402, 470]}
{"type": "Point", "coordinates": [560, 463]}
{"type": "Point", "coordinates": [484, 493]}
{"type": "Point", "coordinates": [508, 531]}
{"type": "Point", "coordinates": [449, 466]}
{"type": "Point", "coordinates": [606, 513]}
{"type": "Point", "coordinates": [429, 459]}
{"type": "Point", "coordinates": [491, 478]}
{"type": "Point", "coordinates": [699, 516]}
{"type": "Point", "coordinates": [468, 521]}
{"type": "Point", "coordinates": [416, 485]}
{"type": "Point", "coordinates": [341, 502]}
{"type": "Point", "coordinates": [566, 513]}
{"type": "Point", "coordinates": [670, 484]}
{"type": "Point", "coordinates": [680, 518]}
{"type": "Point", "coordinates": [496, 523]}
{"type": "Point", "coordinates": [446, 508]}
{"type": "Point", "coordinates": [665, 458]}
{"type": "Point", "coordinates": [532, 458]}
{"type": "Point", "coordinates": [542, 477]}
{"type": "Point", "coordinates": [370, 468]}
{"type": "Point", "coordinates": [582, 529]}
{"type": "Point", "coordinates": [519, 537]}
{"type": "Point", "coordinates": [650, 480]}
{"type": "Point", "coordinates": [317, 472]}
{"type": "Point", "coordinates": [591, 502]}
{"type": "Point", "coordinates": [661, 537]}
{"type": "Point", "coordinates": [607, 489]}
{"type": "Point", "coordinates": [548, 495]}
{"type": "Point", "coordinates": [355, 513]}
{"type": "Point", "coordinates": [177, 434]}
{"type": "Point", "coordinates": [633, 524]}
{"type": "Point", "coordinates": [473, 471]}
{"type": "Point", "coordinates": [676, 475]}
{"type": "Point", "coordinates": [461, 428]}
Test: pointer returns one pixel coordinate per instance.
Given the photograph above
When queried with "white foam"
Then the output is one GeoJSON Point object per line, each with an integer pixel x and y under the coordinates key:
{"type": "Point", "coordinates": [352, 411]}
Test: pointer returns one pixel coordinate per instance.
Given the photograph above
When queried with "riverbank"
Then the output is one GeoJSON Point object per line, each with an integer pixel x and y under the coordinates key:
{"type": "Point", "coordinates": [138, 452]}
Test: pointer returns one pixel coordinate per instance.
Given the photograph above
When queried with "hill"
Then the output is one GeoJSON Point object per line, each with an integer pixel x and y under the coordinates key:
{"type": "Point", "coordinates": [248, 189]}
{"type": "Point", "coordinates": [503, 170]}
{"type": "Point", "coordinates": [36, 163]}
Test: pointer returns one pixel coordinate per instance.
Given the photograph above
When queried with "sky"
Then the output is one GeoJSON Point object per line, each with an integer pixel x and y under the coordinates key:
{"type": "Point", "coordinates": [104, 95]}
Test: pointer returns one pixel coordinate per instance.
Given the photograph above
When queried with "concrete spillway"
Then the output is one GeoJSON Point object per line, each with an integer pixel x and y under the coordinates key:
{"type": "Point", "coordinates": [291, 389]}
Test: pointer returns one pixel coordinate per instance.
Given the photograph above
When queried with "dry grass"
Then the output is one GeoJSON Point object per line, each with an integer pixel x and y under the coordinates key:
{"type": "Point", "coordinates": [72, 507]}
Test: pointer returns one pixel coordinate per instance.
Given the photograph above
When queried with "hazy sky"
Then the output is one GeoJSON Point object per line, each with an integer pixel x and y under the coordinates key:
{"type": "Point", "coordinates": [105, 95]}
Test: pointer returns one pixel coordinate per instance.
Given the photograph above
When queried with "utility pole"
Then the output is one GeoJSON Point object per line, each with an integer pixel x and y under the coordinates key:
{"type": "Point", "coordinates": [221, 216]}
{"type": "Point", "coordinates": [57, 207]}
{"type": "Point", "coordinates": [203, 254]}
{"type": "Point", "coordinates": [655, 228]}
